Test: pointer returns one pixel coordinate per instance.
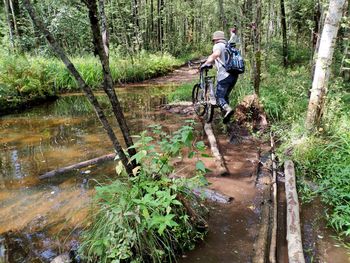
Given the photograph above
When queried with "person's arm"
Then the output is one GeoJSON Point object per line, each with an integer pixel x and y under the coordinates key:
{"type": "Point", "coordinates": [211, 59]}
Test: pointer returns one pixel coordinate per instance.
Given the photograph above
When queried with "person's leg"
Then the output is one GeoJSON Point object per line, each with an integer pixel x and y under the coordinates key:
{"type": "Point", "coordinates": [223, 90]}
{"type": "Point", "coordinates": [233, 80]}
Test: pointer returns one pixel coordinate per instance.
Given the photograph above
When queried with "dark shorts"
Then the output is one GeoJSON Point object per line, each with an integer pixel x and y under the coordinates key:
{"type": "Point", "coordinates": [224, 88]}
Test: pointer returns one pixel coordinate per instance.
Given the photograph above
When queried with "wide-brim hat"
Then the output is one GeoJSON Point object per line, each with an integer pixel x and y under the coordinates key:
{"type": "Point", "coordinates": [217, 35]}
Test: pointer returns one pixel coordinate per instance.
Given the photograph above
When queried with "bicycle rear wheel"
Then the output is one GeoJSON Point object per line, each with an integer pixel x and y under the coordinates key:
{"type": "Point", "coordinates": [198, 101]}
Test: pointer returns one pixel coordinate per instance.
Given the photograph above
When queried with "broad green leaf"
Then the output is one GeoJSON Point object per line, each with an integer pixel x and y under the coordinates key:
{"type": "Point", "coordinates": [200, 166]}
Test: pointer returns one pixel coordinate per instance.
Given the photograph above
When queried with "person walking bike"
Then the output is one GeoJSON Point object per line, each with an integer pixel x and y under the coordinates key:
{"type": "Point", "coordinates": [225, 80]}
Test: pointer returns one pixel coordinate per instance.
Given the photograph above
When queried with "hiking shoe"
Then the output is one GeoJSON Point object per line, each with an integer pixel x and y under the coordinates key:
{"type": "Point", "coordinates": [228, 113]}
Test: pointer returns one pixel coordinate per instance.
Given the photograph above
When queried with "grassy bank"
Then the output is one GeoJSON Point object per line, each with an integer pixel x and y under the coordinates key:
{"type": "Point", "coordinates": [27, 79]}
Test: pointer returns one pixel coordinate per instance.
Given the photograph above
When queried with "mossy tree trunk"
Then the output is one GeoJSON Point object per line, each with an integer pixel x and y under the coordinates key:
{"type": "Point", "coordinates": [284, 35]}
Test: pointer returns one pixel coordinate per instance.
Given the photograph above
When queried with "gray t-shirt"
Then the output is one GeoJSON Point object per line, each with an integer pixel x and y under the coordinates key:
{"type": "Point", "coordinates": [221, 72]}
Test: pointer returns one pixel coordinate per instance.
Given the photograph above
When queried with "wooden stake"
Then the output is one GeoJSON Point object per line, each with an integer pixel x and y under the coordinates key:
{"type": "Point", "coordinates": [295, 248]}
{"type": "Point", "coordinates": [273, 242]}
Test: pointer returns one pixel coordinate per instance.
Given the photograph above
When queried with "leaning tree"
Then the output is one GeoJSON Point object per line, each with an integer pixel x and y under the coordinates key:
{"type": "Point", "coordinates": [107, 79]}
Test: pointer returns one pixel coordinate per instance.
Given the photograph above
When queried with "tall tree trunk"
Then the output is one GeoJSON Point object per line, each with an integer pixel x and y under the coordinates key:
{"type": "Point", "coordinates": [104, 27]}
{"type": "Point", "coordinates": [257, 47]}
{"type": "Point", "coordinates": [9, 23]}
{"type": "Point", "coordinates": [317, 38]}
{"type": "Point", "coordinates": [284, 35]}
{"type": "Point", "coordinates": [58, 50]}
{"type": "Point", "coordinates": [223, 20]}
{"type": "Point", "coordinates": [136, 22]}
{"type": "Point", "coordinates": [107, 76]}
{"type": "Point", "coordinates": [152, 23]}
{"type": "Point", "coordinates": [323, 63]}
{"type": "Point", "coordinates": [160, 25]}
{"type": "Point", "coordinates": [14, 19]}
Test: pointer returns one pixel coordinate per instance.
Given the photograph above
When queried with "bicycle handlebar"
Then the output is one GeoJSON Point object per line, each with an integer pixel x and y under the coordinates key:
{"type": "Point", "coordinates": [192, 63]}
{"type": "Point", "coordinates": [206, 67]}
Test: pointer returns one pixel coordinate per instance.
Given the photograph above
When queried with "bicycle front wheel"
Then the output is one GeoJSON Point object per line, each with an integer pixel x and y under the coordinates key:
{"type": "Point", "coordinates": [209, 113]}
{"type": "Point", "coordinates": [198, 101]}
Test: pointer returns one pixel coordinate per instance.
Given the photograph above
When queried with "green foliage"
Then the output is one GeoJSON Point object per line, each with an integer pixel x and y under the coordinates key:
{"type": "Point", "coordinates": [181, 93]}
{"type": "Point", "coordinates": [148, 217]}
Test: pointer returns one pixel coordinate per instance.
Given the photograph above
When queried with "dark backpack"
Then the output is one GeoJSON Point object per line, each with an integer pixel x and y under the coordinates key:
{"type": "Point", "coordinates": [234, 62]}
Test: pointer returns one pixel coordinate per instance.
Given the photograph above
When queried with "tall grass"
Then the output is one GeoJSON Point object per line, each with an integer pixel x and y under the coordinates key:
{"type": "Point", "coordinates": [24, 78]}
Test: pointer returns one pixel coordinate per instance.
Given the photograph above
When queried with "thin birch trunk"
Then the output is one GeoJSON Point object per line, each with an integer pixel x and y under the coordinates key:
{"type": "Point", "coordinates": [104, 27]}
{"type": "Point", "coordinates": [323, 62]}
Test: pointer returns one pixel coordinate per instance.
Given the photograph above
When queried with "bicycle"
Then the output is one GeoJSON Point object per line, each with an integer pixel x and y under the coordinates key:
{"type": "Point", "coordinates": [203, 95]}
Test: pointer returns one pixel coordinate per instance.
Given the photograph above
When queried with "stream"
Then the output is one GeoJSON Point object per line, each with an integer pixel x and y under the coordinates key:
{"type": "Point", "coordinates": [38, 219]}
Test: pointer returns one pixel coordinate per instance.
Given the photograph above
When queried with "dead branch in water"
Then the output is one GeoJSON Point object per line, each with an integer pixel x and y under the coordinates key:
{"type": "Point", "coordinates": [104, 158]}
{"type": "Point", "coordinates": [219, 160]}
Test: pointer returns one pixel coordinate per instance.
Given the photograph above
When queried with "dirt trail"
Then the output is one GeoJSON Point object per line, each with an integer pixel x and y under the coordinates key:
{"type": "Point", "coordinates": [184, 74]}
{"type": "Point", "coordinates": [233, 228]}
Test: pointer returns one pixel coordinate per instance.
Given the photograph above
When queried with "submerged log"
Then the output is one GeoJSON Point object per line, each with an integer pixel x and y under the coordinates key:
{"type": "Point", "coordinates": [295, 248]}
{"type": "Point", "coordinates": [104, 158]}
{"type": "Point", "coordinates": [212, 195]}
{"type": "Point", "coordinates": [219, 160]}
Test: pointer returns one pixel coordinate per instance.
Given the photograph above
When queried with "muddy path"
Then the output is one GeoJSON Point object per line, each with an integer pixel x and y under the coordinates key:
{"type": "Point", "coordinates": [236, 230]}
{"type": "Point", "coordinates": [179, 76]}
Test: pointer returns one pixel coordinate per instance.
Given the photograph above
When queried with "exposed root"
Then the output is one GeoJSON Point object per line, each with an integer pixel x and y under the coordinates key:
{"type": "Point", "coordinates": [250, 114]}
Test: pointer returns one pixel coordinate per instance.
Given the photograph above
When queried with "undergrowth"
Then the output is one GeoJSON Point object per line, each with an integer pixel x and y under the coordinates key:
{"type": "Point", "coordinates": [149, 217]}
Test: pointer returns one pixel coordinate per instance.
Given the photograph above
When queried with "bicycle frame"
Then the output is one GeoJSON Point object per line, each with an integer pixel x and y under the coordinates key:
{"type": "Point", "coordinates": [208, 82]}
{"type": "Point", "coordinates": [203, 95]}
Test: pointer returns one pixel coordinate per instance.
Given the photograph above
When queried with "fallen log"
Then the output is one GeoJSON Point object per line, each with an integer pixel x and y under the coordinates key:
{"type": "Point", "coordinates": [295, 248]}
{"type": "Point", "coordinates": [212, 195]}
{"type": "Point", "coordinates": [219, 160]}
{"type": "Point", "coordinates": [104, 158]}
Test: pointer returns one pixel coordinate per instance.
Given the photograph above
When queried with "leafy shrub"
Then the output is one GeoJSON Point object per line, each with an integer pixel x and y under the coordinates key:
{"type": "Point", "coordinates": [148, 217]}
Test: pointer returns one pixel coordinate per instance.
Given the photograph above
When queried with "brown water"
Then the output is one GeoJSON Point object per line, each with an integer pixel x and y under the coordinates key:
{"type": "Point", "coordinates": [39, 218]}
